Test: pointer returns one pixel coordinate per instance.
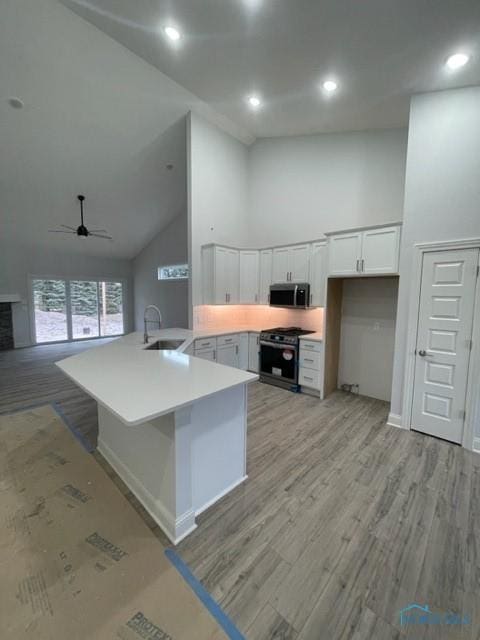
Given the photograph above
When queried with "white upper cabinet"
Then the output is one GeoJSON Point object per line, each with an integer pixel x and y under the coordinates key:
{"type": "Point", "coordinates": [373, 251]}
{"type": "Point", "coordinates": [280, 265]}
{"type": "Point", "coordinates": [249, 277]}
{"type": "Point", "coordinates": [380, 250]}
{"type": "Point", "coordinates": [265, 275]}
{"type": "Point", "coordinates": [291, 264]}
{"type": "Point", "coordinates": [318, 273]}
{"type": "Point", "coordinates": [345, 252]}
{"type": "Point", "coordinates": [299, 259]}
{"type": "Point", "coordinates": [220, 275]}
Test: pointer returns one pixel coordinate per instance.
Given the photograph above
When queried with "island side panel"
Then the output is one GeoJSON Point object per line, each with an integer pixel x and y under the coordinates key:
{"type": "Point", "coordinates": [147, 457]}
{"type": "Point", "coordinates": [218, 449]}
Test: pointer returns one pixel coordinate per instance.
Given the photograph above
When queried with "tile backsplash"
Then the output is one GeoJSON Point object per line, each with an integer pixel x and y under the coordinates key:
{"type": "Point", "coordinates": [255, 317]}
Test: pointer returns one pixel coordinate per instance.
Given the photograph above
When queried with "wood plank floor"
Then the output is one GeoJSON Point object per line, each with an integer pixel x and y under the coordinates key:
{"type": "Point", "coordinates": [342, 522]}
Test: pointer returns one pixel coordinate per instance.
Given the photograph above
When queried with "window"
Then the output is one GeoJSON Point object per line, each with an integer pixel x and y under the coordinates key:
{"type": "Point", "coordinates": [50, 308]}
{"type": "Point", "coordinates": [76, 309]}
{"type": "Point", "coordinates": [173, 272]}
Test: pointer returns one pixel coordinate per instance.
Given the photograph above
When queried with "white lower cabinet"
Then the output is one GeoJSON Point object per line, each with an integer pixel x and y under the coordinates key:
{"type": "Point", "coordinates": [253, 351]}
{"type": "Point", "coordinates": [310, 372]}
{"type": "Point", "coordinates": [230, 349]}
{"type": "Point", "coordinates": [229, 354]}
{"type": "Point", "coordinates": [206, 354]}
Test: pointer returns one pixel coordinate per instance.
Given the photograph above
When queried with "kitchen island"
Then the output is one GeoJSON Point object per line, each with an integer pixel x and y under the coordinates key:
{"type": "Point", "coordinates": [172, 426]}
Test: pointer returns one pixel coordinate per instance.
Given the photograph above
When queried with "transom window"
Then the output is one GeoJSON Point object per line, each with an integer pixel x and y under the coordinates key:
{"type": "Point", "coordinates": [76, 309]}
{"type": "Point", "coordinates": [173, 272]}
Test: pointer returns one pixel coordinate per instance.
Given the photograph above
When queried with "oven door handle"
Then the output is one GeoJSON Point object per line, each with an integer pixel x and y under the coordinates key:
{"type": "Point", "coordinates": [276, 345]}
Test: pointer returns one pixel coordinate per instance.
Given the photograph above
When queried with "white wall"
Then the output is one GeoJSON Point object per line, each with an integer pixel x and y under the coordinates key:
{"type": "Point", "coordinates": [303, 186]}
{"type": "Point", "coordinates": [18, 263]}
{"type": "Point", "coordinates": [218, 197]}
{"type": "Point", "coordinates": [171, 297]}
{"type": "Point", "coordinates": [369, 309]}
{"type": "Point", "coordinates": [442, 191]}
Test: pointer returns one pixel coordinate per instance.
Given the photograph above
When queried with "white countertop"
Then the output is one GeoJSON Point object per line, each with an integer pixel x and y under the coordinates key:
{"type": "Point", "coordinates": [316, 337]}
{"type": "Point", "coordinates": [138, 385]}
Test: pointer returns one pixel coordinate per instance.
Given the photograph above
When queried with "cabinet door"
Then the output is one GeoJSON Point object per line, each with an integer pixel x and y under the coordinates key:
{"type": "Point", "coordinates": [318, 274]}
{"type": "Point", "coordinates": [206, 354]}
{"type": "Point", "coordinates": [280, 265]}
{"type": "Point", "coordinates": [265, 275]}
{"type": "Point", "coordinates": [221, 275]}
{"type": "Point", "coordinates": [233, 276]}
{"type": "Point", "coordinates": [253, 351]}
{"type": "Point", "coordinates": [380, 250]}
{"type": "Point", "coordinates": [228, 355]}
{"type": "Point", "coordinates": [298, 263]}
{"type": "Point", "coordinates": [249, 267]}
{"type": "Point", "coordinates": [344, 254]}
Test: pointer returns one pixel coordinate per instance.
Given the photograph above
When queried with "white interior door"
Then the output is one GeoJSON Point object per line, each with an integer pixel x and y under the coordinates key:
{"type": "Point", "coordinates": [444, 334]}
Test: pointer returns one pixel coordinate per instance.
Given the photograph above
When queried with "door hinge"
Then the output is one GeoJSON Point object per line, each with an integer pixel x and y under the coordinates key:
{"type": "Point", "coordinates": [463, 414]}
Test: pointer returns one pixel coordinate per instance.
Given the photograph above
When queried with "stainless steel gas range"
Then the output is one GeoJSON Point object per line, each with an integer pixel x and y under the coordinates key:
{"type": "Point", "coordinates": [279, 350]}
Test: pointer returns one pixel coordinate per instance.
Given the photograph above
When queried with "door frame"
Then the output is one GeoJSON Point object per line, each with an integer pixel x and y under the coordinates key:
{"type": "Point", "coordinates": [472, 400]}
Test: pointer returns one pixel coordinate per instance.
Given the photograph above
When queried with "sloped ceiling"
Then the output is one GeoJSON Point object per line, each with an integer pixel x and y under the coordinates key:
{"type": "Point", "coordinates": [98, 121]}
{"type": "Point", "coordinates": [380, 51]}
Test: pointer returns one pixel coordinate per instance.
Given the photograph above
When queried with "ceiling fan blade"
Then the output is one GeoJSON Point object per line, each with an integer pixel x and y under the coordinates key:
{"type": "Point", "coordinates": [61, 231]}
{"type": "Point", "coordinates": [65, 226]}
{"type": "Point", "coordinates": [97, 235]}
{"type": "Point", "coordinates": [97, 231]}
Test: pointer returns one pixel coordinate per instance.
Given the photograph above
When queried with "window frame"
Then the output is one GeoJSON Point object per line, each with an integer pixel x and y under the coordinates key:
{"type": "Point", "coordinates": [183, 265]}
{"type": "Point", "coordinates": [68, 307]}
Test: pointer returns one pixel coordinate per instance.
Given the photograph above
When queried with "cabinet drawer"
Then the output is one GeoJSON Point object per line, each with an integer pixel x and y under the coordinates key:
{"type": "Point", "coordinates": [310, 359]}
{"type": "Point", "coordinates": [231, 339]}
{"type": "Point", "coordinates": [205, 343]}
{"type": "Point", "coordinates": [310, 345]}
{"type": "Point", "coordinates": [309, 378]}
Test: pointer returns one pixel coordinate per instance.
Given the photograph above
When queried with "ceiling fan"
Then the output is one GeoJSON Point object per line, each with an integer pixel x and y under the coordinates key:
{"type": "Point", "coordinates": [82, 231]}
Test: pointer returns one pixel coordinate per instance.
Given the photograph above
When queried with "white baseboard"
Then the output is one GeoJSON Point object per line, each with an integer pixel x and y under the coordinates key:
{"type": "Point", "coordinates": [476, 445]}
{"type": "Point", "coordinates": [220, 495]}
{"type": "Point", "coordinates": [174, 528]}
{"type": "Point", "coordinates": [395, 420]}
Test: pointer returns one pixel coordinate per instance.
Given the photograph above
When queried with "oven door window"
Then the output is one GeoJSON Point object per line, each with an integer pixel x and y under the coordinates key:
{"type": "Point", "coordinates": [278, 361]}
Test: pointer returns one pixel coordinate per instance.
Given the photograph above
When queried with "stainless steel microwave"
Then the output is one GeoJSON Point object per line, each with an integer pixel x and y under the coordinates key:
{"type": "Point", "coordinates": [291, 295]}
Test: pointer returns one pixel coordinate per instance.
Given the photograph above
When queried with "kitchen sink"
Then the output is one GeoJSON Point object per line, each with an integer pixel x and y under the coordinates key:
{"type": "Point", "coordinates": [162, 345]}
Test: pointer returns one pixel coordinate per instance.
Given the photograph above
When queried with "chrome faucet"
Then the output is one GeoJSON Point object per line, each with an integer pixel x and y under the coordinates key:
{"type": "Point", "coordinates": [146, 321]}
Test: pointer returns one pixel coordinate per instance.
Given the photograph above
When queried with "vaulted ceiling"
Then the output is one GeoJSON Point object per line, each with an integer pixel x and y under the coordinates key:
{"type": "Point", "coordinates": [380, 52]}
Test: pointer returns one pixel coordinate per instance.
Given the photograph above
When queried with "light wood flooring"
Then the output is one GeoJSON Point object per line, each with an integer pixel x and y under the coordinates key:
{"type": "Point", "coordinates": [342, 522]}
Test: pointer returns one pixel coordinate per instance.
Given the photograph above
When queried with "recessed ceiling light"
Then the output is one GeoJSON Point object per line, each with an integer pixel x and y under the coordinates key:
{"type": "Point", "coordinates": [254, 101]}
{"type": "Point", "coordinates": [172, 33]}
{"type": "Point", "coordinates": [330, 86]}
{"type": "Point", "coordinates": [457, 60]}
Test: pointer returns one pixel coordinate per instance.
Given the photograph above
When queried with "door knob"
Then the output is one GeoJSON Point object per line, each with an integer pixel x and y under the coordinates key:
{"type": "Point", "coordinates": [422, 353]}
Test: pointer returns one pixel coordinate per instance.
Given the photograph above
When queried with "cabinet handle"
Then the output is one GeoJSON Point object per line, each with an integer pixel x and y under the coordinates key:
{"type": "Point", "coordinates": [214, 354]}
{"type": "Point", "coordinates": [363, 265]}
{"type": "Point", "coordinates": [308, 359]}
{"type": "Point", "coordinates": [357, 265]}
{"type": "Point", "coordinates": [236, 349]}
{"type": "Point", "coordinates": [228, 339]}
{"type": "Point", "coordinates": [256, 297]}
{"type": "Point", "coordinates": [308, 378]}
